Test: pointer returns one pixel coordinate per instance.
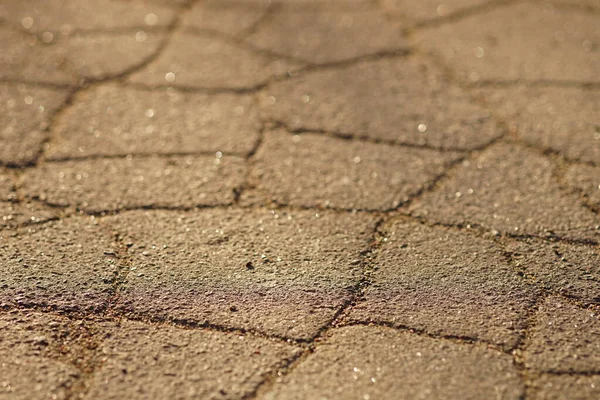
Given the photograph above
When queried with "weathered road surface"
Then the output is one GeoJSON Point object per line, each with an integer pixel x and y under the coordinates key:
{"type": "Point", "coordinates": [299, 199]}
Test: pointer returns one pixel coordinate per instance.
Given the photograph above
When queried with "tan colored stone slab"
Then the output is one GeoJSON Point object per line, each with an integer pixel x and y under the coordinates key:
{"type": "Point", "coordinates": [311, 170]}
{"type": "Point", "coordinates": [231, 19]}
{"type": "Point", "coordinates": [427, 10]}
{"type": "Point", "coordinates": [24, 57]}
{"type": "Point", "coordinates": [142, 361]}
{"type": "Point", "coordinates": [284, 274]}
{"type": "Point", "coordinates": [380, 363]}
{"type": "Point", "coordinates": [18, 214]}
{"type": "Point", "coordinates": [581, 3]}
{"type": "Point", "coordinates": [319, 37]}
{"type": "Point", "coordinates": [510, 190]}
{"type": "Point", "coordinates": [108, 56]}
{"type": "Point", "coordinates": [64, 60]}
{"type": "Point", "coordinates": [97, 185]}
{"type": "Point", "coordinates": [28, 369]}
{"type": "Point", "coordinates": [26, 113]}
{"type": "Point", "coordinates": [7, 183]}
{"type": "Point", "coordinates": [565, 338]}
{"type": "Point", "coordinates": [302, 4]}
{"type": "Point", "coordinates": [68, 264]}
{"type": "Point", "coordinates": [573, 387]}
{"type": "Point", "coordinates": [519, 41]}
{"type": "Point", "coordinates": [571, 270]}
{"type": "Point", "coordinates": [558, 119]}
{"type": "Point", "coordinates": [14, 213]}
{"type": "Point", "coordinates": [402, 100]}
{"type": "Point", "coordinates": [204, 61]}
{"type": "Point", "coordinates": [585, 178]}
{"type": "Point", "coordinates": [40, 16]}
{"type": "Point", "coordinates": [445, 283]}
{"type": "Point", "coordinates": [112, 120]}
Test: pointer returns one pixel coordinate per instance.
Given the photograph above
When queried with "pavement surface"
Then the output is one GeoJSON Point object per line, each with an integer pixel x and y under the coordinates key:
{"type": "Point", "coordinates": [299, 199]}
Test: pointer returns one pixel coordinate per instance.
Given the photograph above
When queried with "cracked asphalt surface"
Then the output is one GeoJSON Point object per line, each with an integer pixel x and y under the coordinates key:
{"type": "Point", "coordinates": [300, 199]}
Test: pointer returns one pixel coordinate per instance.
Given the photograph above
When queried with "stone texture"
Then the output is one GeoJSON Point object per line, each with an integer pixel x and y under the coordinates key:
{"type": "Point", "coordinates": [142, 362]}
{"type": "Point", "coordinates": [6, 185]}
{"type": "Point", "coordinates": [411, 102]}
{"type": "Point", "coordinates": [18, 214]}
{"type": "Point", "coordinates": [28, 369]}
{"type": "Point", "coordinates": [565, 338]}
{"type": "Point", "coordinates": [65, 59]}
{"type": "Point", "coordinates": [571, 270]}
{"type": "Point", "coordinates": [445, 282]}
{"type": "Point", "coordinates": [24, 57]}
{"type": "Point", "coordinates": [40, 16]}
{"type": "Point", "coordinates": [226, 267]}
{"type": "Point", "coordinates": [108, 56]}
{"type": "Point", "coordinates": [493, 192]}
{"type": "Point", "coordinates": [26, 113]}
{"type": "Point", "coordinates": [562, 120]}
{"type": "Point", "coordinates": [581, 3]}
{"type": "Point", "coordinates": [356, 5]}
{"type": "Point", "coordinates": [222, 17]}
{"type": "Point", "coordinates": [108, 184]}
{"type": "Point", "coordinates": [14, 213]}
{"type": "Point", "coordinates": [315, 170]}
{"type": "Point", "coordinates": [520, 41]}
{"type": "Point", "coordinates": [426, 10]}
{"type": "Point", "coordinates": [188, 122]}
{"type": "Point", "coordinates": [68, 264]}
{"type": "Point", "coordinates": [574, 387]}
{"type": "Point", "coordinates": [111, 120]}
{"type": "Point", "coordinates": [319, 37]}
{"type": "Point", "coordinates": [204, 61]}
{"type": "Point", "coordinates": [380, 363]}
{"type": "Point", "coordinates": [586, 179]}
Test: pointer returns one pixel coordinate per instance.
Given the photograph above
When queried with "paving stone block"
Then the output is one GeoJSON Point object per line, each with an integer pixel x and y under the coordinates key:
{"type": "Point", "coordinates": [320, 37]}
{"type": "Point", "coordinates": [565, 338]}
{"type": "Point", "coordinates": [24, 57]}
{"type": "Point", "coordinates": [549, 387]}
{"type": "Point", "coordinates": [379, 363]}
{"type": "Point", "coordinates": [68, 264]}
{"type": "Point", "coordinates": [427, 10]}
{"type": "Point", "coordinates": [169, 3]}
{"type": "Point", "coordinates": [112, 120]}
{"type": "Point", "coordinates": [142, 361]}
{"type": "Point", "coordinates": [303, 4]}
{"type": "Point", "coordinates": [63, 60]}
{"type": "Point", "coordinates": [18, 214]}
{"type": "Point", "coordinates": [445, 282]}
{"type": "Point", "coordinates": [511, 190]}
{"type": "Point", "coordinates": [26, 113]}
{"type": "Point", "coordinates": [284, 274]}
{"type": "Point", "coordinates": [558, 119]}
{"type": "Point", "coordinates": [7, 182]}
{"type": "Point", "coordinates": [98, 185]}
{"type": "Point", "coordinates": [311, 170]}
{"type": "Point", "coordinates": [109, 56]}
{"type": "Point", "coordinates": [13, 213]}
{"type": "Point", "coordinates": [39, 16]}
{"type": "Point", "coordinates": [571, 270]}
{"type": "Point", "coordinates": [204, 61]}
{"type": "Point", "coordinates": [519, 41]}
{"type": "Point", "coordinates": [401, 100]}
{"type": "Point", "coordinates": [581, 3]}
{"type": "Point", "coordinates": [28, 369]}
{"type": "Point", "coordinates": [219, 16]}
{"type": "Point", "coordinates": [585, 178]}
